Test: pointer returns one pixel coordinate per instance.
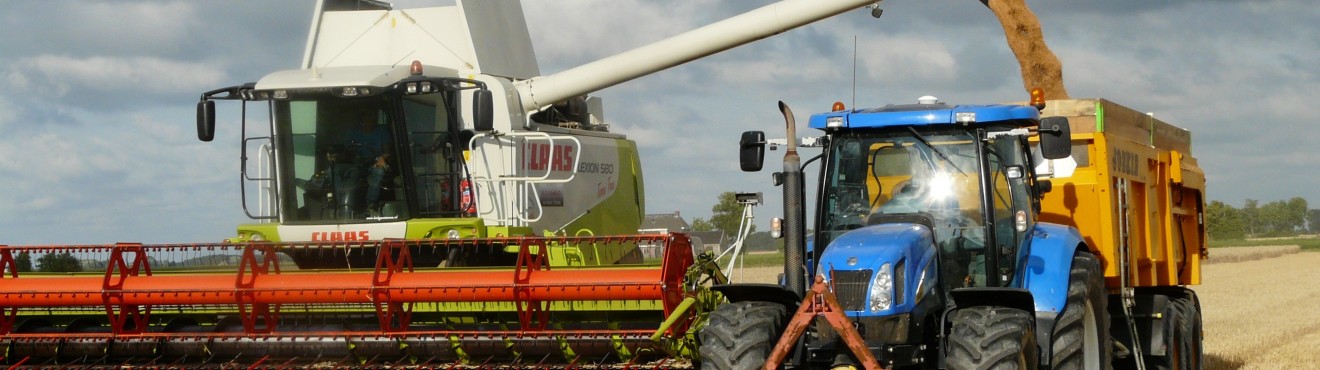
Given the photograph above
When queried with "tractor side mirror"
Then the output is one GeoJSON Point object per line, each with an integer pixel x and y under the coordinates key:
{"type": "Point", "coordinates": [1044, 186]}
{"type": "Point", "coordinates": [206, 120]}
{"type": "Point", "coordinates": [1055, 138]}
{"type": "Point", "coordinates": [751, 151]}
{"type": "Point", "coordinates": [483, 114]}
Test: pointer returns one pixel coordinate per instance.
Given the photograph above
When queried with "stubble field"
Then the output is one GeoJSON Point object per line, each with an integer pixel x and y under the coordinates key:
{"type": "Point", "coordinates": [1261, 307]}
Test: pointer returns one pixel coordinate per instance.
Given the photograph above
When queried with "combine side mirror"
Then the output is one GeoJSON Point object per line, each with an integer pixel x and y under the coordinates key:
{"type": "Point", "coordinates": [483, 114]}
{"type": "Point", "coordinates": [751, 151]}
{"type": "Point", "coordinates": [1055, 138]}
{"type": "Point", "coordinates": [206, 120]}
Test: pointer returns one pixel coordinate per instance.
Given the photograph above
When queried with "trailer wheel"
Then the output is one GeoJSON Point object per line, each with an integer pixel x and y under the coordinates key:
{"type": "Point", "coordinates": [1175, 341]}
{"type": "Point", "coordinates": [739, 336]}
{"type": "Point", "coordinates": [990, 337]}
{"type": "Point", "coordinates": [1081, 335]}
{"type": "Point", "coordinates": [1192, 333]}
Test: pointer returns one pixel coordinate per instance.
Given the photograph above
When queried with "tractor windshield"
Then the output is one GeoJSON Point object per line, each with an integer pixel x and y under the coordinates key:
{"type": "Point", "coordinates": [901, 176]}
{"type": "Point", "coordinates": [874, 176]}
{"type": "Point", "coordinates": [373, 159]}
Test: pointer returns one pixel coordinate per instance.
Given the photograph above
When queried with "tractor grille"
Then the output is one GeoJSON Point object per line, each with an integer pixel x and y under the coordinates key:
{"type": "Point", "coordinates": [850, 287]}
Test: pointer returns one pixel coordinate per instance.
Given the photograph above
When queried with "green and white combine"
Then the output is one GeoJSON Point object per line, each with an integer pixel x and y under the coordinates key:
{"type": "Point", "coordinates": [422, 196]}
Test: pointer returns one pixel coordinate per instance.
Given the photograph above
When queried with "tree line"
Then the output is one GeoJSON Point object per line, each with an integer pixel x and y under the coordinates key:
{"type": "Point", "coordinates": [49, 262]}
{"type": "Point", "coordinates": [1274, 219]}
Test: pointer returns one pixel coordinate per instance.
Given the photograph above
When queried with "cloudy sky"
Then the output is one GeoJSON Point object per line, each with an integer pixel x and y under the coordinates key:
{"type": "Point", "coordinates": [97, 140]}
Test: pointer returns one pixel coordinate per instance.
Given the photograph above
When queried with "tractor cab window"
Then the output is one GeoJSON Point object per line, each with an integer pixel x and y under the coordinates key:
{"type": "Point", "coordinates": [1010, 172]}
{"type": "Point", "coordinates": [900, 177]}
{"type": "Point", "coordinates": [339, 161]}
{"type": "Point", "coordinates": [893, 176]}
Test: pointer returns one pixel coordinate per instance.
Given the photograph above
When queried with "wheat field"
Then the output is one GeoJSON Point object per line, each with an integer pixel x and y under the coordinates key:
{"type": "Point", "coordinates": [1261, 307]}
{"type": "Point", "coordinates": [1262, 313]}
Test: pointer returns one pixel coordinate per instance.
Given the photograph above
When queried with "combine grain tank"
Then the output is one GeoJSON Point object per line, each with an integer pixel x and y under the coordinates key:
{"type": "Point", "coordinates": [423, 196]}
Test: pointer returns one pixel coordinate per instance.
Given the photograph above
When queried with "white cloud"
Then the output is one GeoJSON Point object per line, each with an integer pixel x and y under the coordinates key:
{"type": "Point", "coordinates": [130, 75]}
{"type": "Point", "coordinates": [8, 112]}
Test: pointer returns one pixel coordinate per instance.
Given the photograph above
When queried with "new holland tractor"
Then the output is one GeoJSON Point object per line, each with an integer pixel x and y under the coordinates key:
{"type": "Point", "coordinates": [978, 237]}
{"type": "Point", "coordinates": [423, 197]}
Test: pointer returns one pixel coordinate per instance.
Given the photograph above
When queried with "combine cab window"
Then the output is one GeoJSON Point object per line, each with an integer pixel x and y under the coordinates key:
{"type": "Point", "coordinates": [337, 161]}
{"type": "Point", "coordinates": [437, 155]}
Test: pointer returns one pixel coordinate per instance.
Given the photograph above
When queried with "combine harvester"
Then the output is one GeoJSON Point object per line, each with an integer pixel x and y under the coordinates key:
{"type": "Point", "coordinates": [425, 197]}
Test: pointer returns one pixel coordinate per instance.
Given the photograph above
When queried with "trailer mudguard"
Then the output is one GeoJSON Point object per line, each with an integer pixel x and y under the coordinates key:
{"type": "Point", "coordinates": [1049, 265]}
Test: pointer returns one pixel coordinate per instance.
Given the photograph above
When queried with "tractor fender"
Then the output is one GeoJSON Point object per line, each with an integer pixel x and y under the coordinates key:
{"type": "Point", "coordinates": [1049, 265]}
{"type": "Point", "coordinates": [1003, 297]}
{"type": "Point", "coordinates": [774, 293]}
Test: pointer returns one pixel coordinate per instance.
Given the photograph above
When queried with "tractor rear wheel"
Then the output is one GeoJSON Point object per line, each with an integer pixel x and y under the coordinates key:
{"type": "Point", "coordinates": [739, 336]}
{"type": "Point", "coordinates": [993, 338]}
{"type": "Point", "coordinates": [1081, 334]}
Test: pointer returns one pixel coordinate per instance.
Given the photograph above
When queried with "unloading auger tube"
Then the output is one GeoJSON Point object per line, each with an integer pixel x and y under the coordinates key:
{"type": "Point", "coordinates": [199, 304]}
{"type": "Point", "coordinates": [757, 24]}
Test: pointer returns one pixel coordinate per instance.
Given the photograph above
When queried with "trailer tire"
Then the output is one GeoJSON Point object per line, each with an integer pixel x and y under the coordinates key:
{"type": "Point", "coordinates": [1175, 341]}
{"type": "Point", "coordinates": [1189, 331]}
{"type": "Point", "coordinates": [1080, 340]}
{"type": "Point", "coordinates": [740, 336]}
{"type": "Point", "coordinates": [993, 338]}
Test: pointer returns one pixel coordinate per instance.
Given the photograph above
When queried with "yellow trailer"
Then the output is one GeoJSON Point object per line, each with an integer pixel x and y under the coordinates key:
{"type": "Point", "coordinates": [1136, 195]}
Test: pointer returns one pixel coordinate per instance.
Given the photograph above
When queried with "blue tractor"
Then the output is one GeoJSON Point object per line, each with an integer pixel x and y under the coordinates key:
{"type": "Point", "coordinates": [926, 238]}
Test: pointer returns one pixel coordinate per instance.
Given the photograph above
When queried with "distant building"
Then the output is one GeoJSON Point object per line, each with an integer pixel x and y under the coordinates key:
{"type": "Point", "coordinates": [663, 223]}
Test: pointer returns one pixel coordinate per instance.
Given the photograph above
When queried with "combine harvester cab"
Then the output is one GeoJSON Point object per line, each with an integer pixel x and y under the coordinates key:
{"type": "Point", "coordinates": [980, 236]}
{"type": "Point", "coordinates": [424, 197]}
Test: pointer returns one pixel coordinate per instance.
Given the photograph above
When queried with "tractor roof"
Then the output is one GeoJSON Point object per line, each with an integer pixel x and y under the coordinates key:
{"type": "Point", "coordinates": [926, 115]}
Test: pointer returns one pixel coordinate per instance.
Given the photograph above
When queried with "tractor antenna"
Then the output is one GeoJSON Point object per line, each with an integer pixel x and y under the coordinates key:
{"type": "Point", "coordinates": [853, 103]}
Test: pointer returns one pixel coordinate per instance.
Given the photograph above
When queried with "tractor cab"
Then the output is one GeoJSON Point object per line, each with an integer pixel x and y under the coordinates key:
{"type": "Point", "coordinates": [963, 172]}
{"type": "Point", "coordinates": [919, 206]}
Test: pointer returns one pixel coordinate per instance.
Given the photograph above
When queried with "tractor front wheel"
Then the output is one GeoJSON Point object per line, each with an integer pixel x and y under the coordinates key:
{"type": "Point", "coordinates": [993, 338]}
{"type": "Point", "coordinates": [739, 336]}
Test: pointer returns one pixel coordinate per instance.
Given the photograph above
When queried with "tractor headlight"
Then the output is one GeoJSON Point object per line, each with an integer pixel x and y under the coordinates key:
{"type": "Point", "coordinates": [882, 289]}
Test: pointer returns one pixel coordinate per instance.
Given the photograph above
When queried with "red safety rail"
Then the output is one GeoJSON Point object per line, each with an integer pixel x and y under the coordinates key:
{"type": "Point", "coordinates": [128, 289]}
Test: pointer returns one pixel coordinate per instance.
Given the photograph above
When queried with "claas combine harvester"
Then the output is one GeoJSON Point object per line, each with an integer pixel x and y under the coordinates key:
{"type": "Point", "coordinates": [424, 197]}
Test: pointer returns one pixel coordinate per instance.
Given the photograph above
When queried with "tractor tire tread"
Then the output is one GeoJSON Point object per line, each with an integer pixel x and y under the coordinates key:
{"type": "Point", "coordinates": [991, 338]}
{"type": "Point", "coordinates": [740, 336]}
